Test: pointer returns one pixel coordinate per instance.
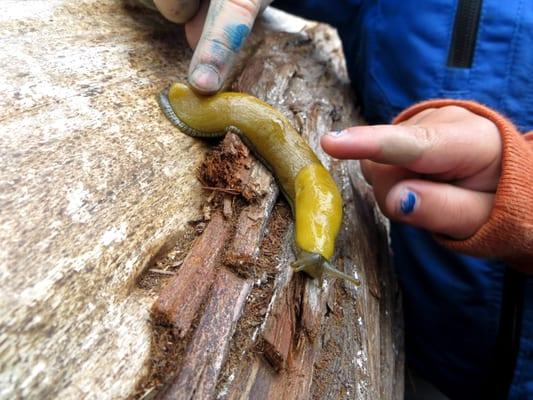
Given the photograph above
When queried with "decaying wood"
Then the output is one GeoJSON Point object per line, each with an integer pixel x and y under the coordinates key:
{"type": "Point", "coordinates": [250, 229]}
{"type": "Point", "coordinates": [301, 350]}
{"type": "Point", "coordinates": [231, 167]}
{"type": "Point", "coordinates": [182, 297]}
{"type": "Point", "coordinates": [94, 184]}
{"type": "Point", "coordinates": [296, 337]}
{"type": "Point", "coordinates": [97, 186]}
{"type": "Point", "coordinates": [228, 166]}
{"type": "Point", "coordinates": [207, 351]}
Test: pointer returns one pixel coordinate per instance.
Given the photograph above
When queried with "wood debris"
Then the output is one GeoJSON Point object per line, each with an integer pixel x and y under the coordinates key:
{"type": "Point", "coordinates": [207, 351]}
{"type": "Point", "coordinates": [251, 224]}
{"type": "Point", "coordinates": [182, 297]}
{"type": "Point", "coordinates": [281, 347]}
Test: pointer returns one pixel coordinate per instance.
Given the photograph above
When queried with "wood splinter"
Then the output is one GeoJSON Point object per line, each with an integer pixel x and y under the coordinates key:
{"type": "Point", "coordinates": [182, 297]}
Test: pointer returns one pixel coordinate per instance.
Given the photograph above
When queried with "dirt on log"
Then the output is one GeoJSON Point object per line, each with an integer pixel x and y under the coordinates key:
{"type": "Point", "coordinates": [126, 276]}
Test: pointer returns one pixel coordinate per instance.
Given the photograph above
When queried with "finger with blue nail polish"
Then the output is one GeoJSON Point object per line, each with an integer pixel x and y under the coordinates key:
{"type": "Point", "coordinates": [438, 207]}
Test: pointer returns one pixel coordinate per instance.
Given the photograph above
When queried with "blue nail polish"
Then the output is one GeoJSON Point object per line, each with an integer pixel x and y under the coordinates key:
{"type": "Point", "coordinates": [408, 203]}
{"type": "Point", "coordinates": [336, 133]}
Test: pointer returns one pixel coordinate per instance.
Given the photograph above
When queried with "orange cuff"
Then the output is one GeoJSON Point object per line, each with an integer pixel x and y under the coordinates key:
{"type": "Point", "coordinates": [508, 234]}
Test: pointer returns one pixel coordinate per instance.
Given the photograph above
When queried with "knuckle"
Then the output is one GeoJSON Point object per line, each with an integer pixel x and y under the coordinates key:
{"type": "Point", "coordinates": [424, 135]}
{"type": "Point", "coordinates": [422, 132]}
{"type": "Point", "coordinates": [451, 215]}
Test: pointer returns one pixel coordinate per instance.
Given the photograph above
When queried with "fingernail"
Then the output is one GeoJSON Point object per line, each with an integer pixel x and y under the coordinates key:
{"type": "Point", "coordinates": [205, 78]}
{"type": "Point", "coordinates": [408, 202]}
{"type": "Point", "coordinates": [336, 134]}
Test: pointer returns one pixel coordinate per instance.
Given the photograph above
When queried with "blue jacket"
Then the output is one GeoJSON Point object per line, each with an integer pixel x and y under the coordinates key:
{"type": "Point", "coordinates": [468, 321]}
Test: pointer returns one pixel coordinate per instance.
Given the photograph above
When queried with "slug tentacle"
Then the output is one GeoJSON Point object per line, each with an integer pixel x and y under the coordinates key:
{"type": "Point", "coordinates": [317, 266]}
{"type": "Point", "coordinates": [312, 193]}
{"type": "Point", "coordinates": [306, 261]}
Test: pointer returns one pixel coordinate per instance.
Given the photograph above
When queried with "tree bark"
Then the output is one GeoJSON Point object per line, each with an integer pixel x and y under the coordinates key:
{"type": "Point", "coordinates": [105, 228]}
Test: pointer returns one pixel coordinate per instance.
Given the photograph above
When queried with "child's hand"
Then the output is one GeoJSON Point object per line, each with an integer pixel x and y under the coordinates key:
{"type": "Point", "coordinates": [437, 170]}
{"type": "Point", "coordinates": [217, 30]}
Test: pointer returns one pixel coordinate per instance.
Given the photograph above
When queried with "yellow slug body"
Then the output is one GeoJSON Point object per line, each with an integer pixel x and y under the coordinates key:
{"type": "Point", "coordinates": [311, 191]}
{"type": "Point", "coordinates": [318, 211]}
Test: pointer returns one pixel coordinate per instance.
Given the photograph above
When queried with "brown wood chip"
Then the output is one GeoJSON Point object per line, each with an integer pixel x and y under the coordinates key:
{"type": "Point", "coordinates": [181, 298]}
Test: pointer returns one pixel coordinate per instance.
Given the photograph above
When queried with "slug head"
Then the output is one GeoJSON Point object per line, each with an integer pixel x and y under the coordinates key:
{"type": "Point", "coordinates": [316, 266]}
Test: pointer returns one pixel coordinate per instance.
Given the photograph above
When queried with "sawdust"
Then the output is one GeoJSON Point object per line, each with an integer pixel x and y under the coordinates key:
{"type": "Point", "coordinates": [227, 167]}
{"type": "Point", "coordinates": [165, 356]}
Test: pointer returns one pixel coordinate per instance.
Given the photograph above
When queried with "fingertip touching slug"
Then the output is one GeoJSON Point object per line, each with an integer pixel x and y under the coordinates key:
{"type": "Point", "coordinates": [309, 188]}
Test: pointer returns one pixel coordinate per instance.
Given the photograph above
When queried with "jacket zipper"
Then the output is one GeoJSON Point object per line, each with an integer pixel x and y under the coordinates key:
{"type": "Point", "coordinates": [465, 27]}
{"type": "Point", "coordinates": [508, 340]}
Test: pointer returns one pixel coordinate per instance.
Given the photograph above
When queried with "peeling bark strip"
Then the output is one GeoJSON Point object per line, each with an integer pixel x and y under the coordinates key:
{"type": "Point", "coordinates": [182, 297]}
{"type": "Point", "coordinates": [250, 230]}
{"type": "Point", "coordinates": [209, 347]}
{"type": "Point", "coordinates": [278, 333]}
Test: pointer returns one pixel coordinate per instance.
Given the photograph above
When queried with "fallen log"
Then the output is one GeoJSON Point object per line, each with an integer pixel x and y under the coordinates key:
{"type": "Point", "coordinates": [101, 210]}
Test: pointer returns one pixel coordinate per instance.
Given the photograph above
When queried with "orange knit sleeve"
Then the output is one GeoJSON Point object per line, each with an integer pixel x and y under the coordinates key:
{"type": "Point", "coordinates": [508, 234]}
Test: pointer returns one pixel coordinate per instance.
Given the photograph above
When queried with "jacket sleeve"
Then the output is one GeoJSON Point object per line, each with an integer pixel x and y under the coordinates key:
{"type": "Point", "coordinates": [334, 12]}
{"type": "Point", "coordinates": [508, 234]}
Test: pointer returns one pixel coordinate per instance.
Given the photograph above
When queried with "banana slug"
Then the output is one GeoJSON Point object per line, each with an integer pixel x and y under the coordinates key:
{"type": "Point", "coordinates": [308, 187]}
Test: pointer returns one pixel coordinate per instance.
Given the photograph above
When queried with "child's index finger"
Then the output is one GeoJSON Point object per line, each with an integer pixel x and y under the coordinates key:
{"type": "Point", "coordinates": [386, 144]}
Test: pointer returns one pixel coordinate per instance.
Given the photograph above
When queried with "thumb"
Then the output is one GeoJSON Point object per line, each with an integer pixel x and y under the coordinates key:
{"type": "Point", "coordinates": [227, 25]}
{"type": "Point", "coordinates": [439, 207]}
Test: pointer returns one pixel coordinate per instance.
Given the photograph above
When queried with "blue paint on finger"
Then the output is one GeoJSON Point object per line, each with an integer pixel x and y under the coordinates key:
{"type": "Point", "coordinates": [408, 203]}
{"type": "Point", "coordinates": [218, 53]}
{"type": "Point", "coordinates": [236, 35]}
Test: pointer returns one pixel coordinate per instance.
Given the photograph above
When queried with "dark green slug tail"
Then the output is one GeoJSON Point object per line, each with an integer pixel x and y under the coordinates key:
{"type": "Point", "coordinates": [165, 105]}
